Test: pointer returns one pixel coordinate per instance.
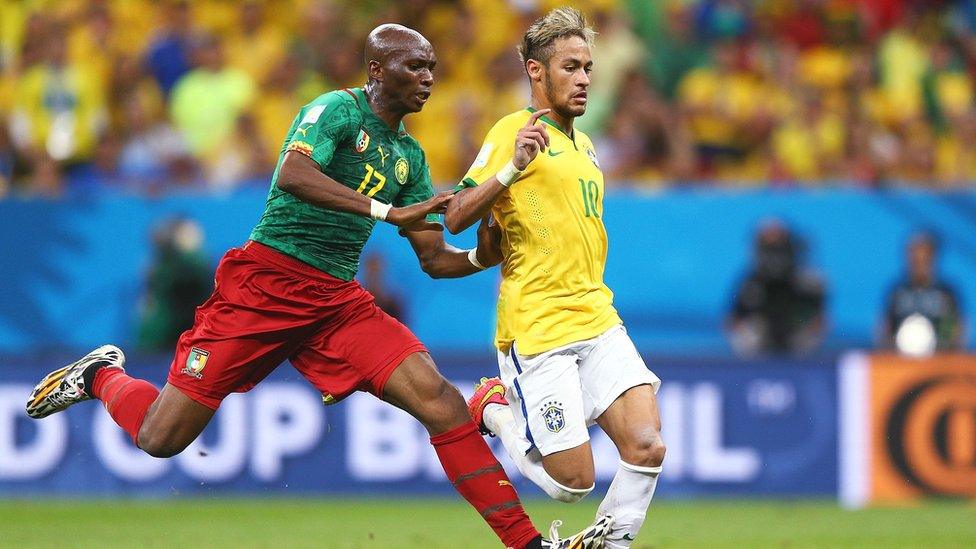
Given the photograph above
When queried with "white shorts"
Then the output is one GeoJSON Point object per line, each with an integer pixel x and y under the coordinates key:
{"type": "Point", "coordinates": [557, 394]}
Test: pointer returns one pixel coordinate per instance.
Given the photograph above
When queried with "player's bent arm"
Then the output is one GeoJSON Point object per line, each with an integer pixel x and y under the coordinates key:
{"type": "Point", "coordinates": [300, 176]}
{"type": "Point", "coordinates": [441, 260]}
{"type": "Point", "coordinates": [471, 204]}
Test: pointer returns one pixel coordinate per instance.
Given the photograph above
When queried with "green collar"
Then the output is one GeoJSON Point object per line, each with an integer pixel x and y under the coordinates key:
{"type": "Point", "coordinates": [552, 123]}
{"type": "Point", "coordinates": [360, 95]}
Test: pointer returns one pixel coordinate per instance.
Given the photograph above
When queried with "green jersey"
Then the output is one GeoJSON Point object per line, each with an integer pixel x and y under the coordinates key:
{"type": "Point", "coordinates": [340, 132]}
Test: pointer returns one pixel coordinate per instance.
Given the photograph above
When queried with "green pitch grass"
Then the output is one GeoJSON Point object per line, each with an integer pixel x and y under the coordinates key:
{"type": "Point", "coordinates": [430, 524]}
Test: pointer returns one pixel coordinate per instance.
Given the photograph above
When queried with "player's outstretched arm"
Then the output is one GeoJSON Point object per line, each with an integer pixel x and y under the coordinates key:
{"type": "Point", "coordinates": [472, 204]}
{"type": "Point", "coordinates": [441, 260]}
{"type": "Point", "coordinates": [300, 176]}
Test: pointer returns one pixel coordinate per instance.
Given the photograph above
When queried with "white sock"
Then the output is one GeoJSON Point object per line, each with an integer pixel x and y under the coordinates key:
{"type": "Point", "coordinates": [500, 421]}
{"type": "Point", "coordinates": [627, 499]}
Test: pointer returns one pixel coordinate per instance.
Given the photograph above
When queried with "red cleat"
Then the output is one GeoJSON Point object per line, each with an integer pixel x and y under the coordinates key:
{"type": "Point", "coordinates": [489, 390]}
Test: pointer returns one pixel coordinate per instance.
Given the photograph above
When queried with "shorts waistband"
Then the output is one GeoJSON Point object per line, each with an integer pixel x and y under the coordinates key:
{"type": "Point", "coordinates": [267, 254]}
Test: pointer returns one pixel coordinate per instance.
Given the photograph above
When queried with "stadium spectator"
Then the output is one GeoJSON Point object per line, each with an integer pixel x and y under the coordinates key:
{"type": "Point", "coordinates": [922, 313]}
{"type": "Point", "coordinates": [288, 86]}
{"type": "Point", "coordinates": [207, 101]}
{"type": "Point", "coordinates": [255, 45]}
{"type": "Point", "coordinates": [168, 55]}
{"type": "Point", "coordinates": [59, 107]}
{"type": "Point", "coordinates": [242, 159]}
{"type": "Point", "coordinates": [620, 54]}
{"type": "Point", "coordinates": [180, 279]}
{"type": "Point", "coordinates": [154, 155]}
{"type": "Point", "coordinates": [779, 308]}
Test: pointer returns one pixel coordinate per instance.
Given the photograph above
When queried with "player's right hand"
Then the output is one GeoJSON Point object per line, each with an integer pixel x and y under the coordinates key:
{"type": "Point", "coordinates": [415, 212]}
{"type": "Point", "coordinates": [530, 139]}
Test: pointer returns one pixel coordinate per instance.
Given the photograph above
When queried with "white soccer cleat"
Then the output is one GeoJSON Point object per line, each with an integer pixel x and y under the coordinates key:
{"type": "Point", "coordinates": [589, 538]}
{"type": "Point", "coordinates": [66, 386]}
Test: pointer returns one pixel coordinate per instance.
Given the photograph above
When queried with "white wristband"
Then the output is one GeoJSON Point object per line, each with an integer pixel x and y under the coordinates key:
{"type": "Point", "coordinates": [473, 258]}
{"type": "Point", "coordinates": [508, 174]}
{"type": "Point", "coordinates": [379, 210]}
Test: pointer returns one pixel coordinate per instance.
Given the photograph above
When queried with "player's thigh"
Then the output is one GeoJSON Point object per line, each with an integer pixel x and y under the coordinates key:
{"type": "Point", "coordinates": [620, 392]}
{"type": "Point", "coordinates": [172, 422]}
{"type": "Point", "coordinates": [609, 366]}
{"type": "Point", "coordinates": [633, 424]}
{"type": "Point", "coordinates": [416, 387]}
{"type": "Point", "coordinates": [256, 318]}
{"type": "Point", "coordinates": [360, 351]}
{"type": "Point", "coordinates": [546, 398]}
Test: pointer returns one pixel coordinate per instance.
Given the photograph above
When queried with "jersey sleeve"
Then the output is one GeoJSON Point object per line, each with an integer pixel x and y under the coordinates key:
{"type": "Point", "coordinates": [321, 129]}
{"type": "Point", "coordinates": [497, 150]}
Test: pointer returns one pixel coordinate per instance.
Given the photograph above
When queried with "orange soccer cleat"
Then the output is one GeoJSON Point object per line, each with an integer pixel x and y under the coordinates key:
{"type": "Point", "coordinates": [490, 390]}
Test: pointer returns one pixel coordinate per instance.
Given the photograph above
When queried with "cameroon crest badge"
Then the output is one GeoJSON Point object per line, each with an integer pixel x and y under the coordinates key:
{"type": "Point", "coordinates": [195, 362]}
{"type": "Point", "coordinates": [402, 169]}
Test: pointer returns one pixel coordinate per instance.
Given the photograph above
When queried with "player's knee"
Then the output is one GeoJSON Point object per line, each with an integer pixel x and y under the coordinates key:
{"type": "Point", "coordinates": [574, 480]}
{"type": "Point", "coordinates": [572, 488]}
{"type": "Point", "coordinates": [159, 443]}
{"type": "Point", "coordinates": [646, 452]}
{"type": "Point", "coordinates": [444, 405]}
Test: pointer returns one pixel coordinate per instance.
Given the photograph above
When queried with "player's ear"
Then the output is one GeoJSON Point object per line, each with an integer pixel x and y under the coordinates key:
{"type": "Point", "coordinates": [535, 70]}
{"type": "Point", "coordinates": [374, 70]}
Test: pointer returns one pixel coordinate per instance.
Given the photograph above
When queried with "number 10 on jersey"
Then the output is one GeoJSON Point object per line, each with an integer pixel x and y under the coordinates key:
{"type": "Point", "coordinates": [591, 197]}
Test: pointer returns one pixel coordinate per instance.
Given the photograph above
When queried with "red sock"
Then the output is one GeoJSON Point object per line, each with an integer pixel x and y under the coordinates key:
{"type": "Point", "coordinates": [480, 479]}
{"type": "Point", "coordinates": [127, 399]}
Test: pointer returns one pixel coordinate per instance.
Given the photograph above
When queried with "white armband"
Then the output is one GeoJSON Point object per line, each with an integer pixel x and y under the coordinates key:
{"type": "Point", "coordinates": [473, 258]}
{"type": "Point", "coordinates": [508, 174]}
{"type": "Point", "coordinates": [379, 210]}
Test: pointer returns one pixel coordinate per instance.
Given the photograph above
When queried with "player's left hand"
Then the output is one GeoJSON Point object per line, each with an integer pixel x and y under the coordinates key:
{"type": "Point", "coordinates": [415, 212]}
{"type": "Point", "coordinates": [489, 242]}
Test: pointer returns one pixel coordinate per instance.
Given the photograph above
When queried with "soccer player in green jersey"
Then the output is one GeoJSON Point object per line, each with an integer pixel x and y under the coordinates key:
{"type": "Point", "coordinates": [289, 293]}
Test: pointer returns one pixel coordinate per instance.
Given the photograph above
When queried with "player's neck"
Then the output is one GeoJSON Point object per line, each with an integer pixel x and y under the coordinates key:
{"type": "Point", "coordinates": [382, 107]}
{"type": "Point", "coordinates": [564, 124]}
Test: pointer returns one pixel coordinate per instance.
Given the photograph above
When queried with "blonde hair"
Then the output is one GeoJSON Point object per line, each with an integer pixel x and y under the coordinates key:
{"type": "Point", "coordinates": [542, 34]}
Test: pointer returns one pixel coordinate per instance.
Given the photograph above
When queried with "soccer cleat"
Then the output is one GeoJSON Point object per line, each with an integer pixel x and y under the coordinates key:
{"type": "Point", "coordinates": [66, 386]}
{"type": "Point", "coordinates": [591, 537]}
{"type": "Point", "coordinates": [489, 390]}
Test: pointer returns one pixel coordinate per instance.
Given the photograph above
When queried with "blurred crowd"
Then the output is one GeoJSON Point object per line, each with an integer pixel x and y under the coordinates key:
{"type": "Point", "coordinates": [163, 96]}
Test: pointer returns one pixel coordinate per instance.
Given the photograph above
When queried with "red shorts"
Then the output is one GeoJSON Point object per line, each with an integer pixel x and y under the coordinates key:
{"type": "Point", "coordinates": [268, 307]}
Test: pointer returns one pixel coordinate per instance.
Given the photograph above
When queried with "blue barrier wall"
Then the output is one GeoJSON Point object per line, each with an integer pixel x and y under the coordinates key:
{"type": "Point", "coordinates": [72, 271]}
{"type": "Point", "coordinates": [732, 428]}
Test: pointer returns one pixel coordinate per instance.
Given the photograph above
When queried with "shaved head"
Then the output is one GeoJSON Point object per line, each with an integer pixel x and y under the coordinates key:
{"type": "Point", "coordinates": [386, 40]}
{"type": "Point", "coordinates": [399, 70]}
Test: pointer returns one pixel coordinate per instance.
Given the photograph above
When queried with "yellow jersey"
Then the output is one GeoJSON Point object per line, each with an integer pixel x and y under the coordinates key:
{"type": "Point", "coordinates": [554, 243]}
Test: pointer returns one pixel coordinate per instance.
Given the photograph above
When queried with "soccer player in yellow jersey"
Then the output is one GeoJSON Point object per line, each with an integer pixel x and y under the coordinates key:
{"type": "Point", "coordinates": [566, 361]}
